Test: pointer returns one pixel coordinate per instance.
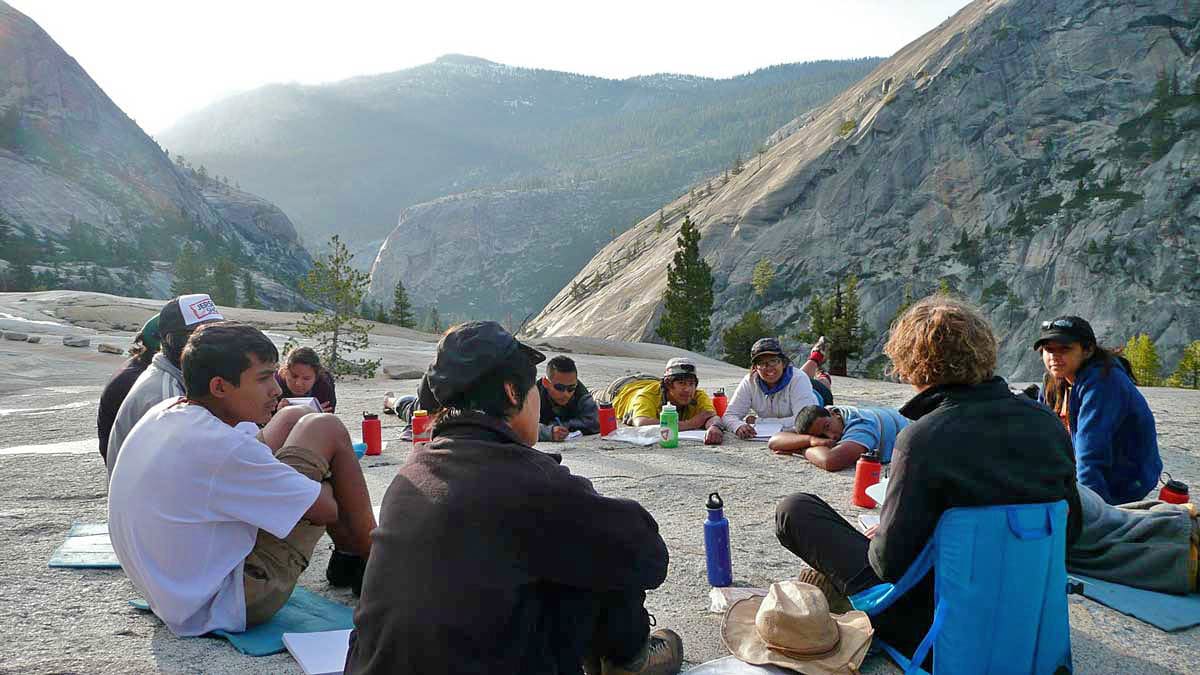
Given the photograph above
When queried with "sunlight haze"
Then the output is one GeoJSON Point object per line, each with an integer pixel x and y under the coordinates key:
{"type": "Point", "coordinates": [161, 60]}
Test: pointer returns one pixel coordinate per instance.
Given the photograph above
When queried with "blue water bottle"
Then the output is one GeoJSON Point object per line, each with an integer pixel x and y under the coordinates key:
{"type": "Point", "coordinates": [716, 543]}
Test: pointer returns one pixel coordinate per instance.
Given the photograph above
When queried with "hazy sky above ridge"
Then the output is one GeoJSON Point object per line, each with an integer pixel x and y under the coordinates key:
{"type": "Point", "coordinates": [160, 59]}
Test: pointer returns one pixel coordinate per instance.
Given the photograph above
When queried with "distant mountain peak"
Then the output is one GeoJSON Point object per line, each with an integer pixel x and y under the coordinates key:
{"type": "Point", "coordinates": [464, 60]}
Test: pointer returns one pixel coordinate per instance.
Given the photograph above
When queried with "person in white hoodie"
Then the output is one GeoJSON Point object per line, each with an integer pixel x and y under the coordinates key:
{"type": "Point", "coordinates": [774, 388]}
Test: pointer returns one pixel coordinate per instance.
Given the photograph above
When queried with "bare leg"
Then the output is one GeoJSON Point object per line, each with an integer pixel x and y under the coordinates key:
{"type": "Point", "coordinates": [811, 368]}
{"type": "Point", "coordinates": [276, 431]}
{"type": "Point", "coordinates": [325, 434]}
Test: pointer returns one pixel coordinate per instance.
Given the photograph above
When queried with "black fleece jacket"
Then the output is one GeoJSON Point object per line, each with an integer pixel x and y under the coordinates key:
{"type": "Point", "coordinates": [481, 539]}
{"type": "Point", "coordinates": [976, 445]}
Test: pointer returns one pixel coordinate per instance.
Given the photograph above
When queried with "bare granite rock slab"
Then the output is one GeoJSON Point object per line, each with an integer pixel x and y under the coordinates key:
{"type": "Point", "coordinates": [404, 372]}
{"type": "Point", "coordinates": [16, 337]}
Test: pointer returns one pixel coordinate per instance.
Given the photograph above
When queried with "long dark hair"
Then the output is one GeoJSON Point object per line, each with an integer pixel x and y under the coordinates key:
{"type": "Point", "coordinates": [1055, 388]}
{"type": "Point", "coordinates": [141, 351]}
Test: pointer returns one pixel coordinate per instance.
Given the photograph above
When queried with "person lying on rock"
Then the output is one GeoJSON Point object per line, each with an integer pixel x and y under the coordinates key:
{"type": "Point", "coordinates": [1116, 441]}
{"type": "Point", "coordinates": [774, 388]}
{"type": "Point", "coordinates": [491, 557]}
{"type": "Point", "coordinates": [972, 442]}
{"type": "Point", "coordinates": [834, 437]}
{"type": "Point", "coordinates": [212, 526]}
{"type": "Point", "coordinates": [637, 400]}
{"type": "Point", "coordinates": [145, 345]}
{"type": "Point", "coordinates": [301, 376]}
{"type": "Point", "coordinates": [567, 405]}
{"type": "Point", "coordinates": [163, 379]}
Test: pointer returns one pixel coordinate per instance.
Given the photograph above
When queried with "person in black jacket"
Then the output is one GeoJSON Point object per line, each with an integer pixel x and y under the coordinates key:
{"type": "Point", "coordinates": [567, 405]}
{"type": "Point", "coordinates": [491, 557]}
{"type": "Point", "coordinates": [145, 346]}
{"type": "Point", "coordinates": [973, 443]}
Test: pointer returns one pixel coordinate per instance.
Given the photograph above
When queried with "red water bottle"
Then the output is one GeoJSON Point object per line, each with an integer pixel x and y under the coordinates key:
{"type": "Point", "coordinates": [1173, 491]}
{"type": "Point", "coordinates": [866, 474]}
{"type": "Point", "coordinates": [608, 419]}
{"type": "Point", "coordinates": [372, 433]}
{"type": "Point", "coordinates": [720, 402]}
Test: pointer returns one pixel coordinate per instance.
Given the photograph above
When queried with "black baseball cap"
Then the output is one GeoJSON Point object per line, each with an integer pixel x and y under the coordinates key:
{"type": "Point", "coordinates": [186, 312]}
{"type": "Point", "coordinates": [468, 352]}
{"type": "Point", "coordinates": [1065, 330]}
{"type": "Point", "coordinates": [767, 345]}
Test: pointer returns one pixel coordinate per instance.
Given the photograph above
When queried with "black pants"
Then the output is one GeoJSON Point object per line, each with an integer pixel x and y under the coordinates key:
{"type": "Point", "coordinates": [811, 529]}
{"type": "Point", "coordinates": [607, 624]}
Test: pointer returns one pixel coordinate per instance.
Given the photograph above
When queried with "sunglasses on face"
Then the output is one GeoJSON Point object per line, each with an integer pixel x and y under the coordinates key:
{"type": "Point", "coordinates": [1058, 323]}
{"type": "Point", "coordinates": [566, 388]}
{"type": "Point", "coordinates": [773, 362]}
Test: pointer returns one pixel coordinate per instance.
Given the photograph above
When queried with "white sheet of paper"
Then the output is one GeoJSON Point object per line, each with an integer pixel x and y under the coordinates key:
{"type": "Point", "coordinates": [574, 434]}
{"type": "Point", "coordinates": [867, 521]}
{"type": "Point", "coordinates": [319, 653]}
{"type": "Point", "coordinates": [877, 491]}
{"type": "Point", "coordinates": [766, 427]}
{"type": "Point", "coordinates": [693, 435]}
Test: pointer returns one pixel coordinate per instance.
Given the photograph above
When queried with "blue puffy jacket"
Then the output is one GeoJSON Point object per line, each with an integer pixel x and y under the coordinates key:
{"type": "Point", "coordinates": [1116, 444]}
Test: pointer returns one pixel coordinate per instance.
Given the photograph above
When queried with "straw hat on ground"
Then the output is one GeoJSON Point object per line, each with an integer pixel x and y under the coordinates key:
{"type": "Point", "coordinates": [792, 628]}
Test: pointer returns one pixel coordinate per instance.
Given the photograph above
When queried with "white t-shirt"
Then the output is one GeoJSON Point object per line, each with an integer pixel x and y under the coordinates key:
{"type": "Point", "coordinates": [185, 504]}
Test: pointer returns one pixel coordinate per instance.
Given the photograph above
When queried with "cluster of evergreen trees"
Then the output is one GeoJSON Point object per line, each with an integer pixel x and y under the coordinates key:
{"type": "Point", "coordinates": [220, 280]}
{"type": "Point", "coordinates": [1148, 370]}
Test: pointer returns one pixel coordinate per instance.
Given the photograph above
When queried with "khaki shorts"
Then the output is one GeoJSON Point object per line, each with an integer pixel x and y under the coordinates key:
{"type": "Point", "coordinates": [274, 565]}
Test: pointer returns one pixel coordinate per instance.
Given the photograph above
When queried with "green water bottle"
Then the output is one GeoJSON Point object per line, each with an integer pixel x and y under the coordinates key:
{"type": "Point", "coordinates": [668, 422]}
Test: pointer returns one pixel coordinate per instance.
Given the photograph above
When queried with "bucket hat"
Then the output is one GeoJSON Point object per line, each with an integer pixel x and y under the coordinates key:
{"type": "Point", "coordinates": [792, 628]}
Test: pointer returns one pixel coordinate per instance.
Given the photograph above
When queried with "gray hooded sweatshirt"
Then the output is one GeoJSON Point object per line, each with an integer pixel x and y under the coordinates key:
{"type": "Point", "coordinates": [159, 382]}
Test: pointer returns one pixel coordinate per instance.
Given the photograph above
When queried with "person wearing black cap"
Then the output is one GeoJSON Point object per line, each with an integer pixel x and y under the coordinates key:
{"type": "Point", "coordinates": [491, 557]}
{"type": "Point", "coordinates": [1112, 428]}
{"type": "Point", "coordinates": [774, 388]}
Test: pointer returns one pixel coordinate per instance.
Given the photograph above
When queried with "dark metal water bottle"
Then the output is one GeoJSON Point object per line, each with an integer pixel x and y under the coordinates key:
{"type": "Point", "coordinates": [716, 543]}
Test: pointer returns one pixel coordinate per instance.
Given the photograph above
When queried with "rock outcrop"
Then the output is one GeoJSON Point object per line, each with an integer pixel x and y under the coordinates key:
{"type": "Point", "coordinates": [74, 168]}
{"type": "Point", "coordinates": [1040, 158]}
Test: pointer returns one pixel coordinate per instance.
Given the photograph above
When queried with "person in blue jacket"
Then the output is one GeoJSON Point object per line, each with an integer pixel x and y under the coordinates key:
{"type": "Point", "coordinates": [1116, 444]}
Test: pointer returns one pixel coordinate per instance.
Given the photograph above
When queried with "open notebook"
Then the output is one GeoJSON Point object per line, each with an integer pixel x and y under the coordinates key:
{"type": "Point", "coordinates": [319, 653]}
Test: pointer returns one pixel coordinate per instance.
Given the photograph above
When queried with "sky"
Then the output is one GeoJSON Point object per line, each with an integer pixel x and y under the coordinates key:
{"type": "Point", "coordinates": [161, 59]}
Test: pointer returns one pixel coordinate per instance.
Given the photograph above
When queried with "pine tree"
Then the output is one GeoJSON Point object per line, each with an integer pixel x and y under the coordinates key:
{"type": "Point", "coordinates": [223, 283]}
{"type": "Point", "coordinates": [764, 274]}
{"type": "Point", "coordinates": [1143, 357]}
{"type": "Point", "coordinates": [737, 340]}
{"type": "Point", "coordinates": [688, 299]}
{"type": "Point", "coordinates": [402, 314]}
{"type": "Point", "coordinates": [838, 317]}
{"type": "Point", "coordinates": [433, 322]}
{"type": "Point", "coordinates": [190, 274]}
{"type": "Point", "coordinates": [337, 289]}
{"type": "Point", "coordinates": [249, 293]}
{"type": "Point", "coordinates": [1187, 373]}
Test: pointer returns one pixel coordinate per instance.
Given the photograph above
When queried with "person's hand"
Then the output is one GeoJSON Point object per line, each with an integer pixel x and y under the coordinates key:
{"type": "Point", "coordinates": [714, 436]}
{"type": "Point", "coordinates": [871, 532]}
{"type": "Point", "coordinates": [696, 421]}
{"type": "Point", "coordinates": [281, 404]}
{"type": "Point", "coordinates": [745, 431]}
{"type": "Point", "coordinates": [326, 406]}
{"type": "Point", "coordinates": [559, 433]}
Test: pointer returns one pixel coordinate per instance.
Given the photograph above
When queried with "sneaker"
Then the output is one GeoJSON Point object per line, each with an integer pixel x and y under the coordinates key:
{"type": "Point", "coordinates": [838, 603]}
{"type": "Point", "coordinates": [662, 655]}
{"type": "Point", "coordinates": [346, 569]}
{"type": "Point", "coordinates": [822, 346]}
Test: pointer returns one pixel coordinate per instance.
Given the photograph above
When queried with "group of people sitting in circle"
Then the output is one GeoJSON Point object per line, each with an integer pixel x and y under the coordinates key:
{"type": "Point", "coordinates": [491, 556]}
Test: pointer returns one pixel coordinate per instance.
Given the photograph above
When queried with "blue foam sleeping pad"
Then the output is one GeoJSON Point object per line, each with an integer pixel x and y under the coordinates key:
{"type": "Point", "coordinates": [87, 546]}
{"type": "Point", "coordinates": [305, 612]}
{"type": "Point", "coordinates": [1161, 610]}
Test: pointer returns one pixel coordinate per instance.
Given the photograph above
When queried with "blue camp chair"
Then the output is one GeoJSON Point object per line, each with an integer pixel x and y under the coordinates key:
{"type": "Point", "coordinates": [1000, 592]}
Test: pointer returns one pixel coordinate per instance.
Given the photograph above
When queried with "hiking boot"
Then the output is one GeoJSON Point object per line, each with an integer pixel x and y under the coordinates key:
{"type": "Point", "coordinates": [346, 569]}
{"type": "Point", "coordinates": [662, 655]}
{"type": "Point", "coordinates": [838, 603]}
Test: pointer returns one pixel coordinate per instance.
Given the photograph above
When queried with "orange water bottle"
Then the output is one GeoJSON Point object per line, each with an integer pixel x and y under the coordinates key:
{"type": "Point", "coordinates": [866, 474]}
{"type": "Point", "coordinates": [422, 427]}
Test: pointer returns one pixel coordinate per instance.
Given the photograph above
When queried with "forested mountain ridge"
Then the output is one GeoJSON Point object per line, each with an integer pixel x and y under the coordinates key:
{"type": "Point", "coordinates": [1038, 158]}
{"type": "Point", "coordinates": [89, 201]}
{"type": "Point", "coordinates": [349, 156]}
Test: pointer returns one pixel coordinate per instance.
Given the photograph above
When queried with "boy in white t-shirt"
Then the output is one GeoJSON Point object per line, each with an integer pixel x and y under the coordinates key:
{"type": "Point", "coordinates": [212, 527]}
